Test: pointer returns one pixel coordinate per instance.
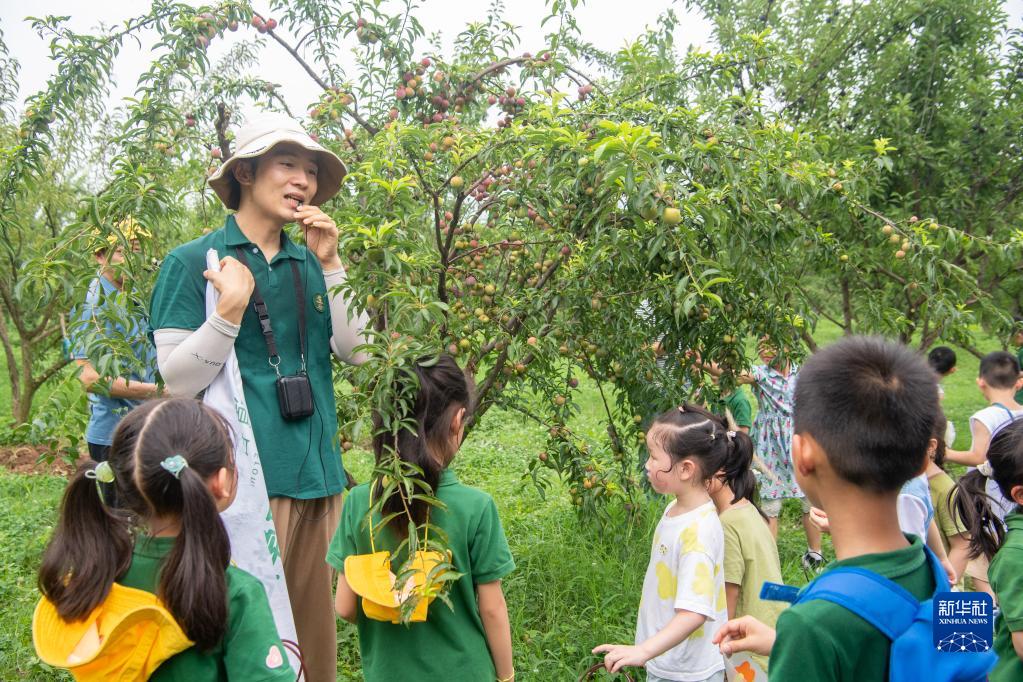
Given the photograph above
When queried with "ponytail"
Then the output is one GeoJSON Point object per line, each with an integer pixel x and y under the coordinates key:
{"type": "Point", "coordinates": [738, 467]}
{"type": "Point", "coordinates": [423, 441]}
{"type": "Point", "coordinates": [193, 581]}
{"type": "Point", "coordinates": [169, 450]}
{"type": "Point", "coordinates": [973, 508]}
{"type": "Point", "coordinates": [970, 501]}
{"type": "Point", "coordinates": [90, 549]}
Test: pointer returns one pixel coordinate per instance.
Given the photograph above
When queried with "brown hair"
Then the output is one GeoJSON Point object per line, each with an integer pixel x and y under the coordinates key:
{"type": "Point", "coordinates": [92, 545]}
{"type": "Point", "coordinates": [424, 437]}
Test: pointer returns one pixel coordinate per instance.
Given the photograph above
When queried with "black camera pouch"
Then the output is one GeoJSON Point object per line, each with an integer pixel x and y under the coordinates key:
{"type": "Point", "coordinates": [295, 396]}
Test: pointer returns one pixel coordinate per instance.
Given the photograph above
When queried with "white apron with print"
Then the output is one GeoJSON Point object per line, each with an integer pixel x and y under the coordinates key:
{"type": "Point", "coordinates": [249, 523]}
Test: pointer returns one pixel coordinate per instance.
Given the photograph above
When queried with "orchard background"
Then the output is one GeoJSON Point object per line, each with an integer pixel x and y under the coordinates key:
{"type": "Point", "coordinates": [546, 216]}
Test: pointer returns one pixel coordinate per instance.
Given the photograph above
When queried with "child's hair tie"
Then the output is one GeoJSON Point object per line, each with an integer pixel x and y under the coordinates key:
{"type": "Point", "coordinates": [985, 469]}
{"type": "Point", "coordinates": [102, 473]}
{"type": "Point", "coordinates": [174, 464]}
{"type": "Point", "coordinates": [730, 435]}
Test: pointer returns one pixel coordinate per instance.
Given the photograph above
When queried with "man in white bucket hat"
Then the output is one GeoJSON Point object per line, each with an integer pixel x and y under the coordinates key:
{"type": "Point", "coordinates": [277, 312]}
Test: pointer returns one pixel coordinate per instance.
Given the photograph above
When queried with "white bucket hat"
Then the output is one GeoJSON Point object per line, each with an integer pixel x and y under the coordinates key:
{"type": "Point", "coordinates": [259, 136]}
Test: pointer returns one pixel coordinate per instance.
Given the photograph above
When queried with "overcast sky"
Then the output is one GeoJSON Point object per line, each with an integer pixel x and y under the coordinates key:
{"type": "Point", "coordinates": [606, 23]}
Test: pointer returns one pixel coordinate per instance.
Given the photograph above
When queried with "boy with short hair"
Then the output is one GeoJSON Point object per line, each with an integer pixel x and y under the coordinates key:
{"type": "Point", "coordinates": [998, 379]}
{"type": "Point", "coordinates": [864, 414]}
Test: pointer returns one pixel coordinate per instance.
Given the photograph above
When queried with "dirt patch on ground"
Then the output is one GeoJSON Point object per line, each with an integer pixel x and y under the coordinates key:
{"type": "Point", "coordinates": [25, 459]}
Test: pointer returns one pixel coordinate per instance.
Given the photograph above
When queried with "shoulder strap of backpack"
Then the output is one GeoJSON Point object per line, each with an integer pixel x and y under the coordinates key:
{"type": "Point", "coordinates": [886, 605]}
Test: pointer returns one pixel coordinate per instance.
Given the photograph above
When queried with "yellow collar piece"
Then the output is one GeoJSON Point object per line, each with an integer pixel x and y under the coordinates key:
{"type": "Point", "coordinates": [370, 577]}
{"type": "Point", "coordinates": [125, 638]}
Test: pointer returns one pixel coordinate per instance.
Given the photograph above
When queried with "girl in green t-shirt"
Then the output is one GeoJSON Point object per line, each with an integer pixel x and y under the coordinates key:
{"type": "Point", "coordinates": [173, 465]}
{"type": "Point", "coordinates": [469, 632]}
{"type": "Point", "coordinates": [1002, 545]}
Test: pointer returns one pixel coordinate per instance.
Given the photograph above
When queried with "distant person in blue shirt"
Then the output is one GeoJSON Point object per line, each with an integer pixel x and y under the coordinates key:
{"type": "Point", "coordinates": [105, 313]}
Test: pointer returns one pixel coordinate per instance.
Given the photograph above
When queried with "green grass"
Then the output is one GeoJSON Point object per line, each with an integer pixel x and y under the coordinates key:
{"type": "Point", "coordinates": [575, 585]}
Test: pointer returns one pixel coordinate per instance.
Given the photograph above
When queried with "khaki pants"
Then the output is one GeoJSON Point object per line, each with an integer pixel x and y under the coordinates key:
{"type": "Point", "coordinates": [304, 530]}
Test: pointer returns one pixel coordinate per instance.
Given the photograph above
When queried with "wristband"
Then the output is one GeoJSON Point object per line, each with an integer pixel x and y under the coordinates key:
{"type": "Point", "coordinates": [510, 678]}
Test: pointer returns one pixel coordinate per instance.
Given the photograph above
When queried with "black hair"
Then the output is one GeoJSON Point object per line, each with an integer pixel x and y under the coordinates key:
{"type": "Point", "coordinates": [942, 359]}
{"type": "Point", "coordinates": [999, 369]}
{"type": "Point", "coordinates": [424, 441]}
{"type": "Point", "coordinates": [969, 499]}
{"type": "Point", "coordinates": [692, 432]}
{"type": "Point", "coordinates": [870, 404]}
{"type": "Point", "coordinates": [92, 545]}
{"type": "Point", "coordinates": [938, 434]}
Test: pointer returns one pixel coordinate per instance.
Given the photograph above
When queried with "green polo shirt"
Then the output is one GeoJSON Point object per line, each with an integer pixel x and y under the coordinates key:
{"type": "Point", "coordinates": [821, 641]}
{"type": "Point", "coordinates": [301, 458]}
{"type": "Point", "coordinates": [1019, 356]}
{"type": "Point", "coordinates": [249, 647]}
{"type": "Point", "coordinates": [1006, 576]}
{"type": "Point", "coordinates": [451, 644]}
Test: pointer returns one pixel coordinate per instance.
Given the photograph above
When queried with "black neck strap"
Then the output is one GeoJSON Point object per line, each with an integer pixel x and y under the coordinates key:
{"type": "Point", "coordinates": [263, 313]}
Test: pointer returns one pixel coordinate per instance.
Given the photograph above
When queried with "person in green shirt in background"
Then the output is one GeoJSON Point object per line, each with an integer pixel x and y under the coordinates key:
{"type": "Point", "coordinates": [864, 414]}
{"type": "Point", "coordinates": [173, 465]}
{"type": "Point", "coordinates": [277, 175]}
{"type": "Point", "coordinates": [1017, 341]}
{"type": "Point", "coordinates": [974, 507]}
{"type": "Point", "coordinates": [471, 638]}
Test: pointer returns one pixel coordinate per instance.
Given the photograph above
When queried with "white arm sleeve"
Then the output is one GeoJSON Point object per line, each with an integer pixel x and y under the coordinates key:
{"type": "Point", "coordinates": [346, 333]}
{"type": "Point", "coordinates": [189, 360]}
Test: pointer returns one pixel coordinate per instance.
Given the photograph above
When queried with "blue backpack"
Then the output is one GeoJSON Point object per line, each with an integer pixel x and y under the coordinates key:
{"type": "Point", "coordinates": [904, 620]}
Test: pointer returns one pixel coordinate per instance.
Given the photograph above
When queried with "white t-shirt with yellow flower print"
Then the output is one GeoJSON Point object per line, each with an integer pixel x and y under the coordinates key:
{"type": "Point", "coordinates": [685, 573]}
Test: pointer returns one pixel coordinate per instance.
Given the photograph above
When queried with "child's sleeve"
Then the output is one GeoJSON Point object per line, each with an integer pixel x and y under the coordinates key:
{"type": "Point", "coordinates": [488, 548]}
{"type": "Point", "coordinates": [695, 585]}
{"type": "Point", "coordinates": [253, 651]}
{"type": "Point", "coordinates": [179, 298]}
{"type": "Point", "coordinates": [735, 565]}
{"type": "Point", "coordinates": [1007, 582]}
{"type": "Point", "coordinates": [343, 544]}
{"type": "Point", "coordinates": [742, 413]}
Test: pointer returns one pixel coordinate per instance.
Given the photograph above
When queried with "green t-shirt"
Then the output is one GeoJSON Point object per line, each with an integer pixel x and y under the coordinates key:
{"type": "Point", "coordinates": [1019, 356]}
{"type": "Point", "coordinates": [1006, 576]}
{"type": "Point", "coordinates": [301, 458]}
{"type": "Point", "coordinates": [251, 643]}
{"type": "Point", "coordinates": [751, 557]}
{"type": "Point", "coordinates": [821, 641]}
{"type": "Point", "coordinates": [738, 404]}
{"type": "Point", "coordinates": [451, 644]}
{"type": "Point", "coordinates": [941, 486]}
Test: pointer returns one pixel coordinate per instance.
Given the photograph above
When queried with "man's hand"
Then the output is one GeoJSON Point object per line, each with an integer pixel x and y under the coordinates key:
{"type": "Point", "coordinates": [234, 283]}
{"type": "Point", "coordinates": [617, 656]}
{"type": "Point", "coordinates": [745, 634]}
{"type": "Point", "coordinates": [320, 235]}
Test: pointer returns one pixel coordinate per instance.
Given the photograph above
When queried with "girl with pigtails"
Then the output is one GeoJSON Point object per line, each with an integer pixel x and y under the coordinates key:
{"type": "Point", "coordinates": [146, 591]}
{"type": "Point", "coordinates": [1001, 544]}
{"type": "Point", "coordinates": [684, 599]}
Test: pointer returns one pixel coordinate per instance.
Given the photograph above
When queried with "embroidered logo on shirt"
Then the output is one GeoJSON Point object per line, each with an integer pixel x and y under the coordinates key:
{"type": "Point", "coordinates": [318, 303]}
{"type": "Point", "coordinates": [274, 659]}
